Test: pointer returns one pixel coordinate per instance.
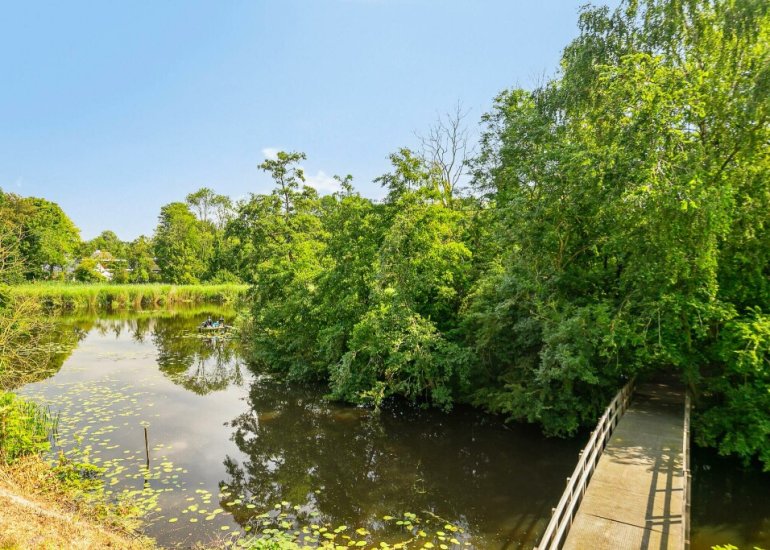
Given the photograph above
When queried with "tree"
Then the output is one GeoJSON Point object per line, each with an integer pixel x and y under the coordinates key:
{"type": "Point", "coordinates": [48, 239]}
{"type": "Point", "coordinates": [445, 149]}
{"type": "Point", "coordinates": [628, 202]}
{"type": "Point", "coordinates": [210, 207]}
{"type": "Point", "coordinates": [11, 262]}
{"type": "Point", "coordinates": [141, 263]}
{"type": "Point", "coordinates": [106, 241]}
{"type": "Point", "coordinates": [286, 238]}
{"type": "Point", "coordinates": [181, 244]}
{"type": "Point", "coordinates": [288, 176]}
{"type": "Point", "coordinates": [87, 272]}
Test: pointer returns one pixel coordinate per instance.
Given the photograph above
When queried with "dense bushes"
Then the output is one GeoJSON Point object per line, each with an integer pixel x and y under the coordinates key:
{"type": "Point", "coordinates": [619, 225]}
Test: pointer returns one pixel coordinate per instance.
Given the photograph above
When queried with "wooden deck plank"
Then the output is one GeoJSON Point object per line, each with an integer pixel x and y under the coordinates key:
{"type": "Point", "coordinates": [634, 499]}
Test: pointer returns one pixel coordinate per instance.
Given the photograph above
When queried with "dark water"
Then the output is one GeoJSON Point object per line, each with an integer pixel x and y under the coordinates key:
{"type": "Point", "coordinates": [227, 445]}
{"type": "Point", "coordinates": [730, 503]}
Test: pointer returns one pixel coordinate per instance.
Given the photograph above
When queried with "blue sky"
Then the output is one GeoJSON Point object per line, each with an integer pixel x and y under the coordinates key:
{"type": "Point", "coordinates": [113, 109]}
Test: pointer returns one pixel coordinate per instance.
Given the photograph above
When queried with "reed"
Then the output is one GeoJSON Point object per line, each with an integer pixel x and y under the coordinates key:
{"type": "Point", "coordinates": [25, 428]}
{"type": "Point", "coordinates": [54, 296]}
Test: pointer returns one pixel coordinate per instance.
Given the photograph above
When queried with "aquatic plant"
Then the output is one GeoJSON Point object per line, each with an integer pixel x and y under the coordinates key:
{"type": "Point", "coordinates": [286, 527]}
{"type": "Point", "coordinates": [25, 428]}
{"type": "Point", "coordinates": [109, 297]}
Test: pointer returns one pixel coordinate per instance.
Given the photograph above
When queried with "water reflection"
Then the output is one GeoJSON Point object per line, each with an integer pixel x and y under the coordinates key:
{"type": "Point", "coordinates": [199, 363]}
{"type": "Point", "coordinates": [353, 466]}
{"type": "Point", "coordinates": [55, 346]}
{"type": "Point", "coordinates": [233, 443]}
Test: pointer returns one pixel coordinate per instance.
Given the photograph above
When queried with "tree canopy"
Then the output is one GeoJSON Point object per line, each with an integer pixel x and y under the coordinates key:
{"type": "Point", "coordinates": [618, 226]}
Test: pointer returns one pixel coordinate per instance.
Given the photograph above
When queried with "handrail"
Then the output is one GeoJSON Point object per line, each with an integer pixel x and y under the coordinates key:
{"type": "Point", "coordinates": [565, 511]}
{"type": "Point", "coordinates": [687, 476]}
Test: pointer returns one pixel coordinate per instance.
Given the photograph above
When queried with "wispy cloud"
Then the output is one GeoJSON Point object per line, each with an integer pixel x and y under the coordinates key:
{"type": "Point", "coordinates": [322, 182]}
{"type": "Point", "coordinates": [271, 153]}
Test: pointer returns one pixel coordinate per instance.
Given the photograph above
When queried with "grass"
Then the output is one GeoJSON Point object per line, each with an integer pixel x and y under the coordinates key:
{"type": "Point", "coordinates": [25, 428]}
{"type": "Point", "coordinates": [54, 506]}
{"type": "Point", "coordinates": [41, 509]}
{"type": "Point", "coordinates": [54, 296]}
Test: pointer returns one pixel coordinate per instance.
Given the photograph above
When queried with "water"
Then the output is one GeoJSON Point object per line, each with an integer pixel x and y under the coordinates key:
{"type": "Point", "coordinates": [730, 503]}
{"type": "Point", "coordinates": [227, 445]}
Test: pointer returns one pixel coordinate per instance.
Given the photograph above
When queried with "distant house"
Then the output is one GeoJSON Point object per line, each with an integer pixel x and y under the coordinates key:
{"type": "Point", "coordinates": [106, 263]}
{"type": "Point", "coordinates": [104, 272]}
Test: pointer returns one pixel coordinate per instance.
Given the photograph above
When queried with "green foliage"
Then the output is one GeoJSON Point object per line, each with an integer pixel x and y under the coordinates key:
{"type": "Point", "coordinates": [182, 245]}
{"type": "Point", "coordinates": [286, 234]}
{"type": "Point", "coordinates": [736, 419]}
{"type": "Point", "coordinates": [108, 297]}
{"type": "Point", "coordinates": [223, 276]}
{"type": "Point", "coordinates": [25, 428]}
{"type": "Point", "coordinates": [364, 296]}
{"type": "Point", "coordinates": [394, 351]}
{"type": "Point", "coordinates": [48, 239]}
{"type": "Point", "coordinates": [210, 207]}
{"type": "Point", "coordinates": [86, 272]}
{"type": "Point", "coordinates": [630, 209]}
{"type": "Point", "coordinates": [141, 263]}
{"type": "Point", "coordinates": [12, 270]}
{"type": "Point", "coordinates": [108, 242]}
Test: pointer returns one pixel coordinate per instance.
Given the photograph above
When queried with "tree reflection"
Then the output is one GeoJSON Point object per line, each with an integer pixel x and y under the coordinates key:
{"type": "Point", "coordinates": [347, 464]}
{"type": "Point", "coordinates": [201, 364]}
{"type": "Point", "coordinates": [352, 466]}
{"type": "Point", "coordinates": [298, 443]}
{"type": "Point", "coordinates": [53, 344]}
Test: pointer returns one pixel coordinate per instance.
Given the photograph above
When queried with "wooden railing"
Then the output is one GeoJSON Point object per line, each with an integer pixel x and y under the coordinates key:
{"type": "Point", "coordinates": [565, 511]}
{"type": "Point", "coordinates": [687, 476]}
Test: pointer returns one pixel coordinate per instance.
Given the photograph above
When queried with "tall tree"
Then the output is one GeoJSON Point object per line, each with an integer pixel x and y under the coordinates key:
{"type": "Point", "coordinates": [285, 235]}
{"type": "Point", "coordinates": [210, 207]}
{"type": "Point", "coordinates": [181, 245]}
{"type": "Point", "coordinates": [141, 263]}
{"type": "Point", "coordinates": [445, 149]}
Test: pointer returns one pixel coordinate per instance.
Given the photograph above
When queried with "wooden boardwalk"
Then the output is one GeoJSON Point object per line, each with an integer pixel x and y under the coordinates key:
{"type": "Point", "coordinates": [637, 495]}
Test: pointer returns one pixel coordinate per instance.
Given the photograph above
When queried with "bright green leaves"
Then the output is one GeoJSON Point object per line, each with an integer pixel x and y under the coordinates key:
{"type": "Point", "coordinates": [736, 421]}
{"type": "Point", "coordinates": [358, 293]}
{"type": "Point", "coordinates": [47, 239]}
{"type": "Point", "coordinates": [394, 351]}
{"type": "Point", "coordinates": [25, 428]}
{"type": "Point", "coordinates": [631, 204]}
{"type": "Point", "coordinates": [182, 245]}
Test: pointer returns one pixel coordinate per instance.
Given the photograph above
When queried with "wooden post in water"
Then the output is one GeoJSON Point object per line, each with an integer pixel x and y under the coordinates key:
{"type": "Point", "coordinates": [147, 450]}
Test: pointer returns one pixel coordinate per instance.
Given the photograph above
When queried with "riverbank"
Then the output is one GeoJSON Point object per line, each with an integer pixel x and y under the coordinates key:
{"type": "Point", "coordinates": [60, 297]}
{"type": "Point", "coordinates": [60, 504]}
{"type": "Point", "coordinates": [39, 510]}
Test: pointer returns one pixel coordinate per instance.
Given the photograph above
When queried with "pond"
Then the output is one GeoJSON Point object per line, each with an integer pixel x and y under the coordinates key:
{"type": "Point", "coordinates": [228, 445]}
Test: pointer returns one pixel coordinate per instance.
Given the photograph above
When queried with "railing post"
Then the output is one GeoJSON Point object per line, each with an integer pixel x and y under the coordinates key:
{"type": "Point", "coordinates": [686, 475]}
